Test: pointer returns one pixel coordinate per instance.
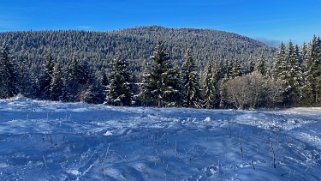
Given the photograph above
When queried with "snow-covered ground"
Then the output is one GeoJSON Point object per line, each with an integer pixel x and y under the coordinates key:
{"type": "Point", "coordinates": [54, 141]}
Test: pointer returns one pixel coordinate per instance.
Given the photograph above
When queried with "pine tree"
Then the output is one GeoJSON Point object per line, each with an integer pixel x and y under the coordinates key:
{"type": "Point", "coordinates": [57, 83]}
{"type": "Point", "coordinates": [211, 78]}
{"type": "Point", "coordinates": [119, 91]}
{"type": "Point", "coordinates": [160, 85]}
{"type": "Point", "coordinates": [46, 77]}
{"type": "Point", "coordinates": [8, 76]}
{"type": "Point", "coordinates": [190, 81]}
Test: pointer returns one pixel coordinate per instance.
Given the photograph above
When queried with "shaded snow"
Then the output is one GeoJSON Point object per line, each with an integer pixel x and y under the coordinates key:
{"type": "Point", "coordinates": [54, 141]}
{"type": "Point", "coordinates": [108, 133]}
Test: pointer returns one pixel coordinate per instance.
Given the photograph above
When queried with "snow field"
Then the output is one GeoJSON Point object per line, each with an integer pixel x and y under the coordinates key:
{"type": "Point", "coordinates": [54, 141]}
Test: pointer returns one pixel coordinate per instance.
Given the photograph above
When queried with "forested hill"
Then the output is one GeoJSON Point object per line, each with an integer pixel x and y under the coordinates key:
{"type": "Point", "coordinates": [136, 44]}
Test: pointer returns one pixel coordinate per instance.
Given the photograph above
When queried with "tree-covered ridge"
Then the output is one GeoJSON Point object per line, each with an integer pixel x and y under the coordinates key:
{"type": "Point", "coordinates": [136, 44]}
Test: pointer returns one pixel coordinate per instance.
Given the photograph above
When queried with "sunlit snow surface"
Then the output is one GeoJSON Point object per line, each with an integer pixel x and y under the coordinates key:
{"type": "Point", "coordinates": [55, 141]}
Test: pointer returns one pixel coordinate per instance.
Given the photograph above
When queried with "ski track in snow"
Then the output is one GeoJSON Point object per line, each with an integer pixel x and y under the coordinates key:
{"type": "Point", "coordinates": [42, 140]}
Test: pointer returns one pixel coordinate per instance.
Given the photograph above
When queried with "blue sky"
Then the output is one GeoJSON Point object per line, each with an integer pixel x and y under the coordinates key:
{"type": "Point", "coordinates": [279, 20]}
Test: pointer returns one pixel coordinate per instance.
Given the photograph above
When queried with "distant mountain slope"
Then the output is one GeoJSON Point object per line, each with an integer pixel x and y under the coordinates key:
{"type": "Point", "coordinates": [136, 44]}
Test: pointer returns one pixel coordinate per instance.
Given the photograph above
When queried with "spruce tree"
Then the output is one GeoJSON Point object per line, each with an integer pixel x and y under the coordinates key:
{"type": "Point", "coordinates": [23, 75]}
{"type": "Point", "coordinates": [190, 81]}
{"type": "Point", "coordinates": [119, 91]}
{"type": "Point", "coordinates": [305, 53]}
{"type": "Point", "coordinates": [160, 85]}
{"type": "Point", "coordinates": [95, 91]}
{"type": "Point", "coordinates": [280, 64]}
{"type": "Point", "coordinates": [211, 92]}
{"type": "Point", "coordinates": [281, 71]}
{"type": "Point", "coordinates": [73, 80]}
{"type": "Point", "coordinates": [307, 86]}
{"type": "Point", "coordinates": [8, 77]}
{"type": "Point", "coordinates": [261, 67]}
{"type": "Point", "coordinates": [35, 91]}
{"type": "Point", "coordinates": [46, 76]}
{"type": "Point", "coordinates": [227, 70]}
{"type": "Point", "coordinates": [251, 65]}
{"type": "Point", "coordinates": [293, 78]}
{"type": "Point", "coordinates": [84, 73]}
{"type": "Point", "coordinates": [222, 88]}
{"type": "Point", "coordinates": [298, 75]}
{"type": "Point", "coordinates": [236, 68]}
{"type": "Point", "coordinates": [222, 92]}
{"type": "Point", "coordinates": [57, 83]}
{"type": "Point", "coordinates": [100, 83]}
{"type": "Point", "coordinates": [299, 57]}
{"type": "Point", "coordinates": [288, 70]}
{"type": "Point", "coordinates": [313, 71]}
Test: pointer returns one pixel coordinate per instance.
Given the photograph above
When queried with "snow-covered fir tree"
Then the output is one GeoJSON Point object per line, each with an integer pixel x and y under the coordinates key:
{"type": "Point", "coordinates": [119, 91]}
{"type": "Point", "coordinates": [95, 91]}
{"type": "Point", "coordinates": [306, 88]}
{"type": "Point", "coordinates": [261, 66]}
{"type": "Point", "coordinates": [236, 69]}
{"type": "Point", "coordinates": [78, 75]}
{"type": "Point", "coordinates": [313, 72]}
{"type": "Point", "coordinates": [251, 66]}
{"type": "Point", "coordinates": [73, 80]}
{"type": "Point", "coordinates": [305, 53]}
{"type": "Point", "coordinates": [300, 69]}
{"type": "Point", "coordinates": [227, 72]}
{"type": "Point", "coordinates": [300, 58]}
{"type": "Point", "coordinates": [8, 76]}
{"type": "Point", "coordinates": [281, 68]}
{"type": "Point", "coordinates": [24, 82]}
{"type": "Point", "coordinates": [294, 78]}
{"type": "Point", "coordinates": [160, 84]}
{"type": "Point", "coordinates": [57, 83]}
{"type": "Point", "coordinates": [190, 82]}
{"type": "Point", "coordinates": [210, 84]}
{"type": "Point", "coordinates": [227, 69]}
{"type": "Point", "coordinates": [46, 76]}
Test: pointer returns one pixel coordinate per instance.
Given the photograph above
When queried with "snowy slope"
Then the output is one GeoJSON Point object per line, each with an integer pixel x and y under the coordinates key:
{"type": "Point", "coordinates": [55, 141]}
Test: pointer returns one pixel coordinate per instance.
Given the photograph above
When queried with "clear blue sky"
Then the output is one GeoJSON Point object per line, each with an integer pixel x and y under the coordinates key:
{"type": "Point", "coordinates": [278, 20]}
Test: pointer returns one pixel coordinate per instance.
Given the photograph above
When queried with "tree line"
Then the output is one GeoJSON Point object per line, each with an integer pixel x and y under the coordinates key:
{"type": "Point", "coordinates": [293, 78]}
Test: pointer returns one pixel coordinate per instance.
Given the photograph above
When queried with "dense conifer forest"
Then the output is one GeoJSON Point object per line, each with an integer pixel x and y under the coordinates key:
{"type": "Point", "coordinates": [155, 66]}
